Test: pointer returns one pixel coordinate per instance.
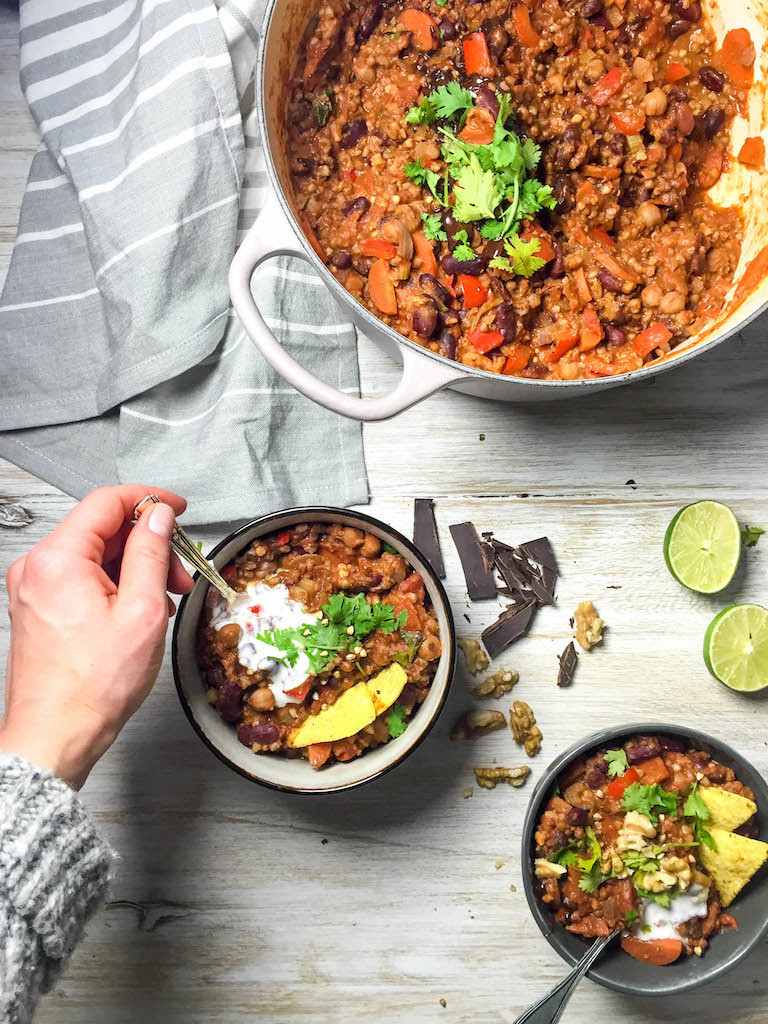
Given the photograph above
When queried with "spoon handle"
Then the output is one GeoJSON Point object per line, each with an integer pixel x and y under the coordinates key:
{"type": "Point", "coordinates": [183, 545]}
{"type": "Point", "coordinates": [549, 1008]}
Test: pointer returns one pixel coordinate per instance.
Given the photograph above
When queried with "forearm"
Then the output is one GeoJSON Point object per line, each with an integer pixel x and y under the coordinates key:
{"type": "Point", "coordinates": [54, 872]}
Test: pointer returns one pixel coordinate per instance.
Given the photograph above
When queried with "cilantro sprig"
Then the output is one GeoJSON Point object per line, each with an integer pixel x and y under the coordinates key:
{"type": "Point", "coordinates": [650, 800]}
{"type": "Point", "coordinates": [396, 721]}
{"type": "Point", "coordinates": [521, 257]}
{"type": "Point", "coordinates": [694, 807]}
{"type": "Point", "coordinates": [617, 762]}
{"type": "Point", "coordinates": [344, 623]}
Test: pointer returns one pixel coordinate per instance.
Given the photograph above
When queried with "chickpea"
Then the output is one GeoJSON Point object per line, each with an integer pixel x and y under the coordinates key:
{"type": "Point", "coordinates": [351, 537]}
{"type": "Point", "coordinates": [655, 102]}
{"type": "Point", "coordinates": [262, 699]}
{"type": "Point", "coordinates": [650, 214]}
{"type": "Point", "coordinates": [642, 69]}
{"type": "Point", "coordinates": [228, 636]}
{"type": "Point", "coordinates": [651, 295]}
{"type": "Point", "coordinates": [371, 546]}
{"type": "Point", "coordinates": [672, 302]}
{"type": "Point", "coordinates": [594, 69]}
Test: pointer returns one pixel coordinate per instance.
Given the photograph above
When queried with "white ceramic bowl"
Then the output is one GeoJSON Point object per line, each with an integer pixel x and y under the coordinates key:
{"type": "Point", "coordinates": [295, 775]}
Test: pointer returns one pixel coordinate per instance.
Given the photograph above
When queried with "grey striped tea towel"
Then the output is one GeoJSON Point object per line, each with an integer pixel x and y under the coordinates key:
{"type": "Point", "coordinates": [120, 358]}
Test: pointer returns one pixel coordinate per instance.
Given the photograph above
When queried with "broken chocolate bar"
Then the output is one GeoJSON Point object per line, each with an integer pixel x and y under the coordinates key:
{"type": "Point", "coordinates": [567, 660]}
{"type": "Point", "coordinates": [476, 561]}
{"type": "Point", "coordinates": [425, 534]}
{"type": "Point", "coordinates": [513, 623]}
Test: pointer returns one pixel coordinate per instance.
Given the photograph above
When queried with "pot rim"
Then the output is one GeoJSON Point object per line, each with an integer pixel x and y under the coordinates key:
{"type": "Point", "coordinates": [263, 523]}
{"type": "Point", "coordinates": [583, 386]}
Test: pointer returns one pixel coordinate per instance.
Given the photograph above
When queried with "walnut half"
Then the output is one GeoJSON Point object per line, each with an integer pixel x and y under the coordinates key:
{"type": "Point", "coordinates": [476, 658]}
{"type": "Point", "coordinates": [477, 723]}
{"type": "Point", "coordinates": [488, 777]}
{"type": "Point", "coordinates": [588, 626]}
{"type": "Point", "coordinates": [497, 684]}
{"type": "Point", "coordinates": [524, 728]}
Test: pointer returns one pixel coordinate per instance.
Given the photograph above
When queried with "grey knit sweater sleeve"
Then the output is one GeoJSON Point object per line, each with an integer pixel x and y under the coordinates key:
{"type": "Point", "coordinates": [54, 872]}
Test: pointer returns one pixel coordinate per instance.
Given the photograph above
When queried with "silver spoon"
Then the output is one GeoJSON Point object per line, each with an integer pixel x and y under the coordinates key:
{"type": "Point", "coordinates": [183, 545]}
{"type": "Point", "coordinates": [549, 1009]}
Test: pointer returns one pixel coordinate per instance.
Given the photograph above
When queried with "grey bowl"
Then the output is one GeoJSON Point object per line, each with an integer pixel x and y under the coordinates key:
{"type": "Point", "coordinates": [616, 969]}
{"type": "Point", "coordinates": [295, 775]}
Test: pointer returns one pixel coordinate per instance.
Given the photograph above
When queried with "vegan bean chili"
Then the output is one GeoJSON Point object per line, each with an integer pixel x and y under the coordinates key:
{"type": "Point", "coordinates": [522, 187]}
{"type": "Point", "coordinates": [323, 607]}
{"type": "Point", "coordinates": [616, 847]}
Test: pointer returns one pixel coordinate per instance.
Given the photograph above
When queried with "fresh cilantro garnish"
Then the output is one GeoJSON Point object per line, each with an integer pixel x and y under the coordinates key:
{"type": "Point", "coordinates": [521, 258]}
{"type": "Point", "coordinates": [321, 641]}
{"type": "Point", "coordinates": [662, 898]}
{"type": "Point", "coordinates": [421, 175]}
{"type": "Point", "coordinates": [424, 113]}
{"type": "Point", "coordinates": [441, 3]}
{"type": "Point", "coordinates": [649, 800]}
{"type": "Point", "coordinates": [694, 806]}
{"type": "Point", "coordinates": [534, 196]}
{"type": "Point", "coordinates": [446, 102]}
{"type": "Point", "coordinates": [617, 762]}
{"type": "Point", "coordinates": [476, 191]}
{"type": "Point", "coordinates": [593, 850]}
{"type": "Point", "coordinates": [462, 251]}
{"type": "Point", "coordinates": [396, 720]}
{"type": "Point", "coordinates": [323, 108]}
{"type": "Point", "coordinates": [389, 549]}
{"type": "Point", "coordinates": [703, 837]}
{"type": "Point", "coordinates": [750, 535]}
{"type": "Point", "coordinates": [593, 879]}
{"type": "Point", "coordinates": [433, 227]}
{"type": "Point", "coordinates": [630, 916]}
{"type": "Point", "coordinates": [413, 641]}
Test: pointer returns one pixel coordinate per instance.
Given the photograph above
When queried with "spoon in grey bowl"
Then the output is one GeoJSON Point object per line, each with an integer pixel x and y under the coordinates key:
{"type": "Point", "coordinates": [549, 1009]}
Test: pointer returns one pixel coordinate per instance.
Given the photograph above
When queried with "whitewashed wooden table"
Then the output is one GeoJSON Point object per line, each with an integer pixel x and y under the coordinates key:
{"type": "Point", "coordinates": [233, 902]}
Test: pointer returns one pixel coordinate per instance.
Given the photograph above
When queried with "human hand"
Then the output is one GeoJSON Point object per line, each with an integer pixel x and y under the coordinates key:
{"type": "Point", "coordinates": [89, 613]}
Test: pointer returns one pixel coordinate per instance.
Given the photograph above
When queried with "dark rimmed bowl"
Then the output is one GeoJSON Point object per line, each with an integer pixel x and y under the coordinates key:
{"type": "Point", "coordinates": [295, 775]}
{"type": "Point", "coordinates": [616, 969]}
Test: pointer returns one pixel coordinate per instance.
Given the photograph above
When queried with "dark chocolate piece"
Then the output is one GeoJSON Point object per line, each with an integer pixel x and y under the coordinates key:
{"type": "Point", "coordinates": [512, 572]}
{"type": "Point", "coordinates": [513, 623]}
{"type": "Point", "coordinates": [540, 550]}
{"type": "Point", "coordinates": [425, 534]}
{"type": "Point", "coordinates": [567, 660]}
{"type": "Point", "coordinates": [478, 569]}
{"type": "Point", "coordinates": [544, 586]}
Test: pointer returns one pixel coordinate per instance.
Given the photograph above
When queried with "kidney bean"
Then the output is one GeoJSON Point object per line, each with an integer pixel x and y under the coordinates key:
{"type": "Point", "coordinates": [614, 335]}
{"type": "Point", "coordinates": [712, 121]}
{"type": "Point", "coordinates": [711, 79]}
{"type": "Point", "coordinates": [700, 758]}
{"type": "Point", "coordinates": [589, 8]}
{"type": "Point", "coordinates": [447, 347]}
{"type": "Point", "coordinates": [352, 133]}
{"type": "Point", "coordinates": [576, 816]}
{"type": "Point", "coordinates": [670, 744]}
{"type": "Point", "coordinates": [302, 165]}
{"type": "Point", "coordinates": [424, 317]}
{"type": "Point", "coordinates": [563, 190]}
{"type": "Point", "coordinates": [447, 29]}
{"type": "Point", "coordinates": [566, 147]}
{"type": "Point", "coordinates": [619, 143]}
{"type": "Point", "coordinates": [596, 779]}
{"type": "Point", "coordinates": [451, 226]}
{"type": "Point", "coordinates": [684, 118]}
{"type": "Point", "coordinates": [642, 749]}
{"type": "Point", "coordinates": [609, 281]}
{"type": "Point", "coordinates": [634, 197]}
{"type": "Point", "coordinates": [433, 287]}
{"type": "Point", "coordinates": [559, 839]}
{"type": "Point", "coordinates": [368, 21]}
{"type": "Point", "coordinates": [690, 12]}
{"type": "Point", "coordinates": [448, 318]}
{"type": "Point", "coordinates": [436, 77]}
{"type": "Point", "coordinates": [361, 206]}
{"type": "Point", "coordinates": [557, 266]}
{"type": "Point", "coordinates": [451, 265]}
{"type": "Point", "coordinates": [498, 40]}
{"type": "Point", "coordinates": [487, 98]}
{"type": "Point", "coordinates": [667, 137]}
{"type": "Point", "coordinates": [263, 733]}
{"type": "Point", "coordinates": [506, 321]}
{"type": "Point", "coordinates": [493, 248]}
{"type": "Point", "coordinates": [229, 701]}
{"type": "Point", "coordinates": [675, 29]}
{"type": "Point", "coordinates": [341, 259]}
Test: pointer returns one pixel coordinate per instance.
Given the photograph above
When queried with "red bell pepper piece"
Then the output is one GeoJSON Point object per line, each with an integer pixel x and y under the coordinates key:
{"type": "Point", "coordinates": [485, 341]}
{"type": "Point", "coordinates": [300, 691]}
{"type": "Point", "coordinates": [283, 537]}
{"type": "Point", "coordinates": [607, 87]}
{"type": "Point", "coordinates": [615, 789]}
{"type": "Point", "coordinates": [651, 338]}
{"type": "Point", "coordinates": [377, 247]}
{"type": "Point", "coordinates": [474, 291]}
{"type": "Point", "coordinates": [528, 35]}
{"type": "Point", "coordinates": [630, 121]}
{"type": "Point", "coordinates": [517, 359]}
{"type": "Point", "coordinates": [564, 342]}
{"type": "Point", "coordinates": [477, 60]}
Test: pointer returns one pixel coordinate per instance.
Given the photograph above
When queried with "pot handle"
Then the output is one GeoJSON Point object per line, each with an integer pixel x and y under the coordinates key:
{"type": "Point", "coordinates": [272, 235]}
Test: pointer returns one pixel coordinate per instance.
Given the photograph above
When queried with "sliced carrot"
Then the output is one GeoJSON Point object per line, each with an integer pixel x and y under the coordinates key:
{"type": "Point", "coordinates": [652, 951]}
{"type": "Point", "coordinates": [567, 340]}
{"type": "Point", "coordinates": [426, 253]}
{"type": "Point", "coordinates": [477, 59]}
{"type": "Point", "coordinates": [676, 71]}
{"type": "Point", "coordinates": [422, 28]}
{"type": "Point", "coordinates": [480, 126]}
{"type": "Point", "coordinates": [738, 53]}
{"type": "Point", "coordinates": [651, 771]}
{"type": "Point", "coordinates": [526, 32]}
{"type": "Point", "coordinates": [752, 153]}
{"type": "Point", "coordinates": [602, 256]}
{"type": "Point", "coordinates": [378, 247]}
{"type": "Point", "coordinates": [518, 358]}
{"type": "Point", "coordinates": [591, 333]}
{"type": "Point", "coordinates": [582, 286]}
{"type": "Point", "coordinates": [603, 173]}
{"type": "Point", "coordinates": [611, 82]}
{"type": "Point", "coordinates": [381, 289]}
{"type": "Point", "coordinates": [602, 237]}
{"type": "Point", "coordinates": [586, 188]}
{"type": "Point", "coordinates": [630, 121]}
{"type": "Point", "coordinates": [485, 341]}
{"type": "Point", "coordinates": [649, 339]}
{"type": "Point", "coordinates": [318, 753]}
{"type": "Point", "coordinates": [366, 182]}
{"type": "Point", "coordinates": [312, 238]}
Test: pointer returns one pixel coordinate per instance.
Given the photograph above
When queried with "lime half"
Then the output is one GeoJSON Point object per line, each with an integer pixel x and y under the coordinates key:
{"type": "Point", "coordinates": [702, 546]}
{"type": "Point", "coordinates": [736, 647]}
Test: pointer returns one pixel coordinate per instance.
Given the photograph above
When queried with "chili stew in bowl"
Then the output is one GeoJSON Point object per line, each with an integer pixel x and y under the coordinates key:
{"type": "Point", "coordinates": [651, 831]}
{"type": "Point", "coordinates": [522, 188]}
{"type": "Point", "coordinates": [315, 571]}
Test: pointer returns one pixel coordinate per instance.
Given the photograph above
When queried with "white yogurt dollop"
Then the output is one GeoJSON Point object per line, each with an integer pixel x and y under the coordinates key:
{"type": "Point", "coordinates": [657, 922]}
{"type": "Point", "coordinates": [261, 609]}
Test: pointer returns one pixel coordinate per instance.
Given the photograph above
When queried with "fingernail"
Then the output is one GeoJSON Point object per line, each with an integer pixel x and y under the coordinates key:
{"type": "Point", "coordinates": [161, 520]}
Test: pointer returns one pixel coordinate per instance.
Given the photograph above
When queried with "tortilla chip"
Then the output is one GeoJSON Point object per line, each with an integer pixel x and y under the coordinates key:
{"type": "Point", "coordinates": [726, 810]}
{"type": "Point", "coordinates": [733, 863]}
